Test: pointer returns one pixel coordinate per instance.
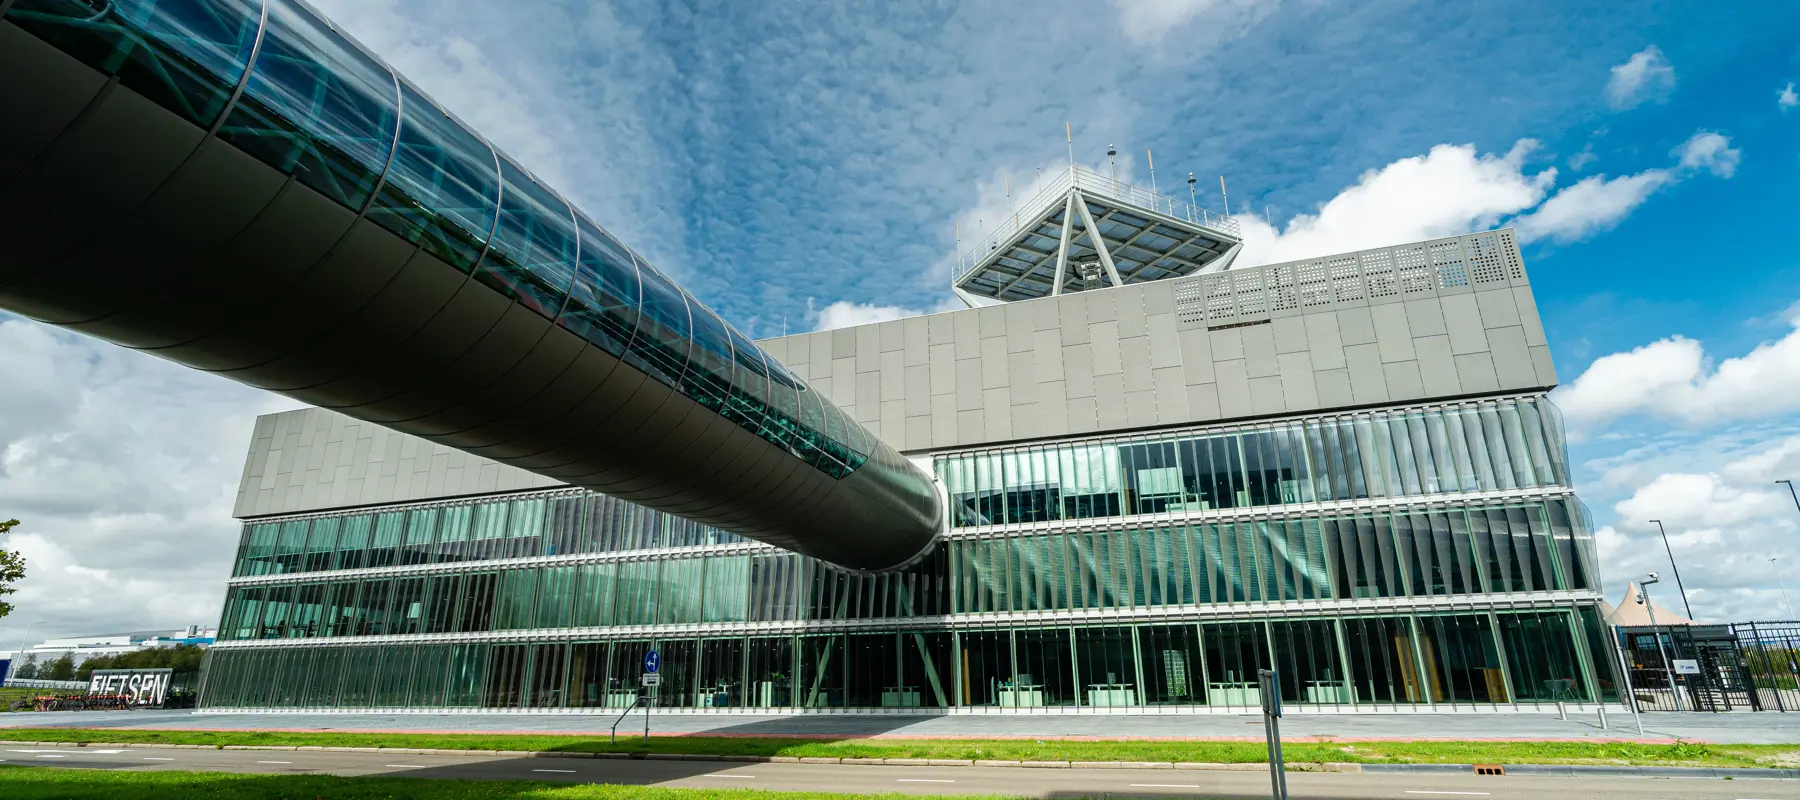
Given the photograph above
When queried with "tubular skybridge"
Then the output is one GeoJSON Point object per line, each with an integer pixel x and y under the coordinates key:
{"type": "Point", "coordinates": [236, 186]}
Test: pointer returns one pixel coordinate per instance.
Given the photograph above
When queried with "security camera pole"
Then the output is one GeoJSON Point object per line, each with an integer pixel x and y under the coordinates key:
{"type": "Point", "coordinates": [1650, 608]}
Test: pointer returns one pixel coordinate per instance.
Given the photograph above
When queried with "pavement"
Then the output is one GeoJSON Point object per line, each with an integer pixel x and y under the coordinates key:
{"type": "Point", "coordinates": [1050, 784]}
{"type": "Point", "coordinates": [1729, 728]}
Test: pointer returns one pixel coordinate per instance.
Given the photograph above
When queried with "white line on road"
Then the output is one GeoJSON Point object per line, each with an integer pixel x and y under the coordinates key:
{"type": "Point", "coordinates": [406, 766]}
{"type": "Point", "coordinates": [153, 758]}
{"type": "Point", "coordinates": [1425, 791]}
{"type": "Point", "coordinates": [49, 756]}
{"type": "Point", "coordinates": [922, 780]}
{"type": "Point", "coordinates": [1166, 785]}
{"type": "Point", "coordinates": [274, 762]}
{"type": "Point", "coordinates": [553, 770]}
{"type": "Point", "coordinates": [725, 776]}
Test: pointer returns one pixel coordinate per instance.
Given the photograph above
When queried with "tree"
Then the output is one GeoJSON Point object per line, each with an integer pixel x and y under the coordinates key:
{"type": "Point", "coordinates": [12, 568]}
{"type": "Point", "coordinates": [181, 658]}
{"type": "Point", "coordinates": [28, 669]}
{"type": "Point", "coordinates": [62, 669]}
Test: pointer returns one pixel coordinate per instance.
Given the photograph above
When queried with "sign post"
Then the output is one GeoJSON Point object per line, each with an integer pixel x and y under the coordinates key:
{"type": "Point", "coordinates": [652, 680]}
{"type": "Point", "coordinates": [1271, 706]}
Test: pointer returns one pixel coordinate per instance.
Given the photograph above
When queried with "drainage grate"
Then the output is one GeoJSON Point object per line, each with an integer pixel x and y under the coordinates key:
{"type": "Point", "coordinates": [1490, 769]}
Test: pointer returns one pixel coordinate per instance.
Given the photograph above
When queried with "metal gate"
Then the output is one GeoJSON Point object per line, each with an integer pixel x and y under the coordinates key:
{"type": "Point", "coordinates": [1720, 678]}
{"type": "Point", "coordinates": [1772, 654]}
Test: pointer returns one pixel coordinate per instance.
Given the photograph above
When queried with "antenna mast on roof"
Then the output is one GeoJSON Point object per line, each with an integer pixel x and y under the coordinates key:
{"type": "Point", "coordinates": [1225, 197]}
{"type": "Point", "coordinates": [1151, 157]}
{"type": "Point", "coordinates": [1069, 133]}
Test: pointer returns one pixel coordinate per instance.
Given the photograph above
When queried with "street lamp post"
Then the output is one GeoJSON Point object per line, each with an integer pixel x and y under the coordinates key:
{"type": "Point", "coordinates": [1671, 552]}
{"type": "Point", "coordinates": [1782, 586]}
{"type": "Point", "coordinates": [19, 656]}
{"type": "Point", "coordinates": [1650, 608]}
{"type": "Point", "coordinates": [1791, 493]}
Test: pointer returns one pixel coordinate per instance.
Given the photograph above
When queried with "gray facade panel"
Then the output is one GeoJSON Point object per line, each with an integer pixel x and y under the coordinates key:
{"type": "Point", "coordinates": [1259, 351]}
{"type": "Point", "coordinates": [1462, 316]}
{"type": "Point", "coordinates": [1392, 333]}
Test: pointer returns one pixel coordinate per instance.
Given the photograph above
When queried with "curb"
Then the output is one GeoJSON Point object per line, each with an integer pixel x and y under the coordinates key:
{"type": "Point", "coordinates": [1547, 770]}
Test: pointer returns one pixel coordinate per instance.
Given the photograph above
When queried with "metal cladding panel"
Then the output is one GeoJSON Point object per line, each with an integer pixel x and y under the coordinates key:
{"type": "Point", "coordinates": [164, 214]}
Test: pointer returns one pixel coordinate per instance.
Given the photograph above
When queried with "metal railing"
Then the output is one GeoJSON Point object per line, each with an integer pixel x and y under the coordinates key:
{"type": "Point", "coordinates": [1026, 213]}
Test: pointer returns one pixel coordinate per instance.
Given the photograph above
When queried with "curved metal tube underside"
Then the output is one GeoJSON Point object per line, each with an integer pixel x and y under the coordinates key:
{"type": "Point", "coordinates": [233, 186]}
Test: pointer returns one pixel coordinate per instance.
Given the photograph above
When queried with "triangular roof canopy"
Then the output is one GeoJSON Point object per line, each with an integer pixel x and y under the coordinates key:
{"type": "Point", "coordinates": [1630, 613]}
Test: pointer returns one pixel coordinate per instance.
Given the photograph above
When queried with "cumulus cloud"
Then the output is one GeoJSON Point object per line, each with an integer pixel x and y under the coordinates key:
{"type": "Point", "coordinates": [1647, 75]}
{"type": "Point", "coordinates": [1787, 98]}
{"type": "Point", "coordinates": [1725, 519]}
{"type": "Point", "coordinates": [1672, 379]}
{"type": "Point", "coordinates": [123, 469]}
{"type": "Point", "coordinates": [845, 314]}
{"type": "Point", "coordinates": [1598, 203]}
{"type": "Point", "coordinates": [1450, 190]}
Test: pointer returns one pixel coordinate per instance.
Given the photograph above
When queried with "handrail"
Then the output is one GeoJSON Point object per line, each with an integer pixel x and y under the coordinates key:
{"type": "Point", "coordinates": [642, 700]}
{"type": "Point", "coordinates": [1093, 183]}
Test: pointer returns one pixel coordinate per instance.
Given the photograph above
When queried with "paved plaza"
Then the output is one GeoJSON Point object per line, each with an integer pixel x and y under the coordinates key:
{"type": "Point", "coordinates": [1739, 728]}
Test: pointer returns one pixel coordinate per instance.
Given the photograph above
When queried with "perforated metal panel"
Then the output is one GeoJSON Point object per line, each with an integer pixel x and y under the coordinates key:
{"type": "Point", "coordinates": [1370, 277]}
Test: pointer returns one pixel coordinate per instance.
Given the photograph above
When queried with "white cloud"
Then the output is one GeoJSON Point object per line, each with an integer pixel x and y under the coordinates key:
{"type": "Point", "coordinates": [1448, 191]}
{"type": "Point", "coordinates": [1709, 151]}
{"type": "Point", "coordinates": [1596, 204]}
{"type": "Point", "coordinates": [1149, 21]}
{"type": "Point", "coordinates": [1787, 98]}
{"type": "Point", "coordinates": [1725, 519]}
{"type": "Point", "coordinates": [1645, 76]}
{"type": "Point", "coordinates": [845, 314]}
{"type": "Point", "coordinates": [123, 469]}
{"type": "Point", "coordinates": [1591, 205]}
{"type": "Point", "coordinates": [1671, 379]}
{"type": "Point", "coordinates": [1581, 160]}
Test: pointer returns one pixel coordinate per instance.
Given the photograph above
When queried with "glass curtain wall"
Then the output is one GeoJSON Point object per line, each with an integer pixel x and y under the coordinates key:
{"type": "Point", "coordinates": [1532, 547]}
{"type": "Point", "coordinates": [1363, 662]}
{"type": "Point", "coordinates": [1508, 444]}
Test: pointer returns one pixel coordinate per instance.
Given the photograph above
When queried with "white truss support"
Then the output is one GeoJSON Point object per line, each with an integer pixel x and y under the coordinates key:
{"type": "Point", "coordinates": [1093, 232]}
{"type": "Point", "coordinates": [1223, 262]}
{"type": "Point", "coordinates": [964, 295]}
{"type": "Point", "coordinates": [1062, 250]}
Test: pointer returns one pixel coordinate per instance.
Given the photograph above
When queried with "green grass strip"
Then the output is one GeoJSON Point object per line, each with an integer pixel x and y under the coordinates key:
{"type": "Point", "coordinates": [46, 783]}
{"type": "Point", "coordinates": [1417, 752]}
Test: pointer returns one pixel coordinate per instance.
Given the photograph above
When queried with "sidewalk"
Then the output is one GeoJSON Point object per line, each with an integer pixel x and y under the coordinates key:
{"type": "Point", "coordinates": [1745, 728]}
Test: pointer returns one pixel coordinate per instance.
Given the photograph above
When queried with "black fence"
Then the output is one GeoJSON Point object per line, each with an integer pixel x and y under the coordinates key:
{"type": "Point", "coordinates": [1746, 666]}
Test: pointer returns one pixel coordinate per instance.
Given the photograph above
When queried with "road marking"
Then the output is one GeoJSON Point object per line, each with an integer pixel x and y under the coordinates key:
{"type": "Point", "coordinates": [725, 776]}
{"type": "Point", "coordinates": [923, 780]}
{"type": "Point", "coordinates": [153, 758]}
{"type": "Point", "coordinates": [1423, 791]}
{"type": "Point", "coordinates": [406, 766]}
{"type": "Point", "coordinates": [49, 756]}
{"type": "Point", "coordinates": [274, 762]}
{"type": "Point", "coordinates": [553, 770]}
{"type": "Point", "coordinates": [1166, 785]}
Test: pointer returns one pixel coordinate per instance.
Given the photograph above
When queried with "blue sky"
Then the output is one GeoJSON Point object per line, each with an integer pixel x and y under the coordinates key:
{"type": "Point", "coordinates": [806, 164]}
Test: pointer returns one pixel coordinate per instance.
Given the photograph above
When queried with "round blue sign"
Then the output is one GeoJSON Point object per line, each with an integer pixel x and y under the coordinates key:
{"type": "Point", "coordinates": [652, 661]}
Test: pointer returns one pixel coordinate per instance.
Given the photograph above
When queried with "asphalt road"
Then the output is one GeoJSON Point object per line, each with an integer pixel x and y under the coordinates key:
{"type": "Point", "coordinates": [1016, 781]}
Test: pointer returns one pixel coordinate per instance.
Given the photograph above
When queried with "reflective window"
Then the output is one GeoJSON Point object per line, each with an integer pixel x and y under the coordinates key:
{"type": "Point", "coordinates": [532, 255]}
{"type": "Point", "coordinates": [316, 107]}
{"type": "Point", "coordinates": [708, 377]}
{"type": "Point", "coordinates": [660, 347]}
{"type": "Point", "coordinates": [184, 55]}
{"type": "Point", "coordinates": [442, 189]}
{"type": "Point", "coordinates": [749, 401]}
{"type": "Point", "coordinates": [603, 302]}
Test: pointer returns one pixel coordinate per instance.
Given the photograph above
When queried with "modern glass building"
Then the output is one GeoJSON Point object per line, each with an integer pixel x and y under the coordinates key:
{"type": "Point", "coordinates": [1345, 469]}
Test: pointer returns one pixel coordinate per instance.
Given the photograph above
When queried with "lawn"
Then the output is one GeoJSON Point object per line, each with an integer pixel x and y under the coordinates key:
{"type": "Point", "coordinates": [1432, 752]}
{"type": "Point", "coordinates": [27, 783]}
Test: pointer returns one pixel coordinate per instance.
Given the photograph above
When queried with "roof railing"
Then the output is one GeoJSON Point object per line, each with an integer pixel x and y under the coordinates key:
{"type": "Point", "coordinates": [1026, 213]}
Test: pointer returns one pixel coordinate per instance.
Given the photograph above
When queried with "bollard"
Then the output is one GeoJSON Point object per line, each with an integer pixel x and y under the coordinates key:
{"type": "Point", "coordinates": [1562, 713]}
{"type": "Point", "coordinates": [1603, 725]}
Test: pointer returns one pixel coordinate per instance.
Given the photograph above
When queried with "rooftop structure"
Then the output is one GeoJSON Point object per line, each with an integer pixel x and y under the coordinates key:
{"type": "Point", "coordinates": [1047, 246]}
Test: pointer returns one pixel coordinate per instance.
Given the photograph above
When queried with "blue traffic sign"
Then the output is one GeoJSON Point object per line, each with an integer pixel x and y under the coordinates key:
{"type": "Point", "coordinates": [652, 661]}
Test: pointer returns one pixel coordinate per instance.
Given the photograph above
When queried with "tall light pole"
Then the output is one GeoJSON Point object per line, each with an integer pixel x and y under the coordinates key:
{"type": "Point", "coordinates": [1791, 493]}
{"type": "Point", "coordinates": [1784, 597]}
{"type": "Point", "coordinates": [1650, 608]}
{"type": "Point", "coordinates": [18, 656]}
{"type": "Point", "coordinates": [1671, 552]}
